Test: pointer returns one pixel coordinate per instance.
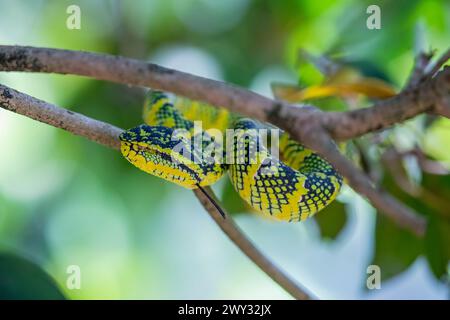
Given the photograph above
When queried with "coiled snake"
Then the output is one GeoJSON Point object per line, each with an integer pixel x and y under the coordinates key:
{"type": "Point", "coordinates": [169, 146]}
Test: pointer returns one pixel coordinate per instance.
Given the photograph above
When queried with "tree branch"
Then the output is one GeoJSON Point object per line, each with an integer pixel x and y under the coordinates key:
{"type": "Point", "coordinates": [423, 98]}
{"type": "Point", "coordinates": [134, 72]}
{"type": "Point", "coordinates": [302, 124]}
{"type": "Point", "coordinates": [78, 124]}
{"type": "Point", "coordinates": [108, 135]}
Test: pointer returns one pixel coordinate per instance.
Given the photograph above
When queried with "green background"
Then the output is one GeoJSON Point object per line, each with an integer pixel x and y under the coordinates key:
{"type": "Point", "coordinates": [67, 201]}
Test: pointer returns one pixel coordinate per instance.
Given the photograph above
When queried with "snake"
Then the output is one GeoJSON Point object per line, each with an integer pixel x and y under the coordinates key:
{"type": "Point", "coordinates": [291, 186]}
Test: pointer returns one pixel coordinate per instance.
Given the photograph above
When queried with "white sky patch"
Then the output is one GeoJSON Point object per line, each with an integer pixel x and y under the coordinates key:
{"type": "Point", "coordinates": [262, 81]}
{"type": "Point", "coordinates": [188, 59]}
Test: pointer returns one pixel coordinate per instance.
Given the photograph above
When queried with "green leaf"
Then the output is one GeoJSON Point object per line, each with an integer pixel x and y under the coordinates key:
{"type": "Point", "coordinates": [437, 136]}
{"type": "Point", "coordinates": [331, 220]}
{"type": "Point", "coordinates": [395, 248]}
{"type": "Point", "coordinates": [23, 280]}
{"type": "Point", "coordinates": [431, 201]}
{"type": "Point", "coordinates": [437, 245]}
{"type": "Point", "coordinates": [437, 237]}
{"type": "Point", "coordinates": [231, 200]}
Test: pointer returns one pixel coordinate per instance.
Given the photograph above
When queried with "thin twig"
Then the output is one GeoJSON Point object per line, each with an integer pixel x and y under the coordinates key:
{"type": "Point", "coordinates": [421, 62]}
{"type": "Point", "coordinates": [108, 135]}
{"type": "Point", "coordinates": [422, 56]}
{"type": "Point", "coordinates": [441, 61]}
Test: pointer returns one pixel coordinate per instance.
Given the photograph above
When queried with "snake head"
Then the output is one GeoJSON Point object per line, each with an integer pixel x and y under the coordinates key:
{"type": "Point", "coordinates": [159, 151]}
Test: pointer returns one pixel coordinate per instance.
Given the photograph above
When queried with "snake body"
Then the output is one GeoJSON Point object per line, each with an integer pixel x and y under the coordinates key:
{"type": "Point", "coordinates": [290, 190]}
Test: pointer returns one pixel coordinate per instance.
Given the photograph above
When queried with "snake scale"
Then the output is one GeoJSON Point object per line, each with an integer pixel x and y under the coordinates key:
{"type": "Point", "coordinates": [291, 187]}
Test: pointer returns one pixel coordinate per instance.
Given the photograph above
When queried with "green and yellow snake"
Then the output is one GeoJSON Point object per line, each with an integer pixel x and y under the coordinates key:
{"type": "Point", "coordinates": [291, 187]}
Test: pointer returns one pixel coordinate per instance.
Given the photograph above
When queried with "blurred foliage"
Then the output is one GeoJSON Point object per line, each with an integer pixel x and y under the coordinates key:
{"type": "Point", "coordinates": [332, 220]}
{"type": "Point", "coordinates": [21, 279]}
{"type": "Point", "coordinates": [231, 200]}
{"type": "Point", "coordinates": [65, 200]}
{"type": "Point", "coordinates": [396, 249]}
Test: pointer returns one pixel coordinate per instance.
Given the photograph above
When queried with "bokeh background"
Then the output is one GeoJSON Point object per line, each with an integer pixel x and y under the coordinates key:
{"type": "Point", "coordinates": [68, 201]}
